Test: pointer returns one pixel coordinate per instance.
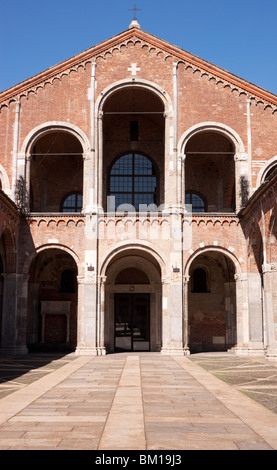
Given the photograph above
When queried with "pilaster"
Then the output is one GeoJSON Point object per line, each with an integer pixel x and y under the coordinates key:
{"type": "Point", "coordinates": [249, 332]}
{"type": "Point", "coordinates": [87, 314]}
{"type": "Point", "coordinates": [242, 179]}
{"type": "Point", "coordinates": [270, 309]}
{"type": "Point", "coordinates": [13, 339]}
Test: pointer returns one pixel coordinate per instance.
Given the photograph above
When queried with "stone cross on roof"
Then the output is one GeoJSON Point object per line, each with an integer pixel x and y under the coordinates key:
{"type": "Point", "coordinates": [135, 9]}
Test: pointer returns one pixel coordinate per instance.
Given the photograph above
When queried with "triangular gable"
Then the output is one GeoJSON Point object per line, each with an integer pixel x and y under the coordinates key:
{"type": "Point", "coordinates": [135, 34]}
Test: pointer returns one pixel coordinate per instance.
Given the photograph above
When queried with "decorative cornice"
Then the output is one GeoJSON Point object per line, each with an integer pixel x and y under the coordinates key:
{"type": "Point", "coordinates": [161, 48]}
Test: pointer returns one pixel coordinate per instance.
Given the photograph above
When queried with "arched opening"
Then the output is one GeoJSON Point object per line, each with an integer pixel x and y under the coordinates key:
{"type": "Point", "coordinates": [211, 303]}
{"type": "Point", "coordinates": [133, 130]}
{"type": "Point", "coordinates": [56, 171]}
{"type": "Point", "coordinates": [210, 172]}
{"type": "Point", "coordinates": [52, 301]}
{"type": "Point", "coordinates": [133, 303]}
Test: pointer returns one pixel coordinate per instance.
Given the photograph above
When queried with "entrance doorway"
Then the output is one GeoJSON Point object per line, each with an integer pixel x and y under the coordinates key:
{"type": "Point", "coordinates": [132, 322]}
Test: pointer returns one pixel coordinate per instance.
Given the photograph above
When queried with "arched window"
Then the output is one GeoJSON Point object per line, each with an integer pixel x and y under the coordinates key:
{"type": "Point", "coordinates": [72, 202]}
{"type": "Point", "coordinates": [196, 200]}
{"type": "Point", "coordinates": [67, 281]}
{"type": "Point", "coordinates": [133, 181]}
{"type": "Point", "coordinates": [199, 280]}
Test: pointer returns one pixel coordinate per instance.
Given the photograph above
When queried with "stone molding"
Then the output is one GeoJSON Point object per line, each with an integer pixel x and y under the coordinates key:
{"type": "Point", "coordinates": [269, 267]}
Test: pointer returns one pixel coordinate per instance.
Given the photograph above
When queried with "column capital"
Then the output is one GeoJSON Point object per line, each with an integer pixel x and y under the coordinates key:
{"type": "Point", "coordinates": [186, 279]}
{"type": "Point", "coordinates": [165, 279]}
{"type": "Point", "coordinates": [80, 279]}
{"type": "Point", "coordinates": [240, 277]}
{"type": "Point", "coordinates": [102, 279]}
{"type": "Point", "coordinates": [10, 275]}
{"type": "Point", "coordinates": [241, 157]}
{"type": "Point", "coordinates": [269, 267]}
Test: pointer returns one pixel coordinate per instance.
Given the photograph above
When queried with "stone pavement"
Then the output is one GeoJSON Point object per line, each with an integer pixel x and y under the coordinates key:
{"type": "Point", "coordinates": [137, 401]}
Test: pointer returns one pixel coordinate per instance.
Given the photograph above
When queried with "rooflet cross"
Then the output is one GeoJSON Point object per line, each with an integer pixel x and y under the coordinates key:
{"type": "Point", "coordinates": [135, 9]}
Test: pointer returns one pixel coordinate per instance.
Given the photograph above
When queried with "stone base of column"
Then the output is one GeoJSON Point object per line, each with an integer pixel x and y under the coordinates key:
{"type": "Point", "coordinates": [249, 351]}
{"type": "Point", "coordinates": [271, 353]}
{"type": "Point", "coordinates": [14, 351]}
{"type": "Point", "coordinates": [89, 351]}
{"type": "Point", "coordinates": [175, 352]}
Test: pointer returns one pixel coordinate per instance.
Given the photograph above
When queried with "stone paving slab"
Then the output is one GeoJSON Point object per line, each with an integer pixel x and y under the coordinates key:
{"type": "Point", "coordinates": [143, 401]}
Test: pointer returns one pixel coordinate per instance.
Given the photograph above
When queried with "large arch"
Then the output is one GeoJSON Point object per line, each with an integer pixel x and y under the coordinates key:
{"type": "Point", "coordinates": [135, 117]}
{"type": "Point", "coordinates": [136, 82]}
{"type": "Point", "coordinates": [58, 144]}
{"type": "Point", "coordinates": [45, 127]}
{"type": "Point", "coordinates": [216, 151]}
{"type": "Point", "coordinates": [52, 300]}
{"type": "Point", "coordinates": [221, 128]}
{"type": "Point", "coordinates": [210, 313]}
{"type": "Point", "coordinates": [133, 295]}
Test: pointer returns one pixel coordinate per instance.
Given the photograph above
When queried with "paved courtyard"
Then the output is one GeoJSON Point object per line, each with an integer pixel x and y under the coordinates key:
{"type": "Point", "coordinates": [142, 401]}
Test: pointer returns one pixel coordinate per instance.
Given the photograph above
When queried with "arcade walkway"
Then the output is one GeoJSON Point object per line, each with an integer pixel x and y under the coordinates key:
{"type": "Point", "coordinates": [142, 401]}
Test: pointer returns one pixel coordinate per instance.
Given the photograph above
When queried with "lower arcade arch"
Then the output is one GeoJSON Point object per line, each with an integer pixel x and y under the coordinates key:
{"type": "Point", "coordinates": [211, 300]}
{"type": "Point", "coordinates": [133, 294]}
{"type": "Point", "coordinates": [52, 301]}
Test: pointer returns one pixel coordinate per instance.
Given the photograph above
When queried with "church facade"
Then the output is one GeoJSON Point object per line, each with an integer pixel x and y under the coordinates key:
{"type": "Point", "coordinates": [138, 205]}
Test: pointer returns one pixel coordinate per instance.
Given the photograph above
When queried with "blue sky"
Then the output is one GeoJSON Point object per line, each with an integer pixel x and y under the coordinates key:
{"type": "Point", "coordinates": [237, 35]}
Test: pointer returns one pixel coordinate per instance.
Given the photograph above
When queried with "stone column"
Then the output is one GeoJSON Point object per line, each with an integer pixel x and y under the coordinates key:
{"type": "Point", "coordinates": [99, 164]}
{"type": "Point", "coordinates": [8, 314]}
{"type": "Point", "coordinates": [249, 314]}
{"type": "Point", "coordinates": [13, 339]}
{"type": "Point", "coordinates": [185, 316]}
{"type": "Point", "coordinates": [242, 312]}
{"type": "Point", "coordinates": [165, 315]}
{"type": "Point", "coordinates": [15, 147]}
{"type": "Point", "coordinates": [230, 313]}
{"type": "Point", "coordinates": [242, 180]}
{"type": "Point", "coordinates": [101, 350]}
{"type": "Point", "coordinates": [87, 305]}
{"type": "Point", "coordinates": [28, 180]}
{"type": "Point", "coordinates": [21, 314]}
{"type": "Point", "coordinates": [256, 342]}
{"type": "Point", "coordinates": [270, 309]}
{"type": "Point", "coordinates": [170, 178]}
{"type": "Point", "coordinates": [173, 301]}
{"type": "Point", "coordinates": [88, 182]}
{"type": "Point", "coordinates": [183, 179]}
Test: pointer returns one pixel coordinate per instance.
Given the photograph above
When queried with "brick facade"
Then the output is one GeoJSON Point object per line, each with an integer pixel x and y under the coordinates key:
{"type": "Point", "coordinates": [138, 119]}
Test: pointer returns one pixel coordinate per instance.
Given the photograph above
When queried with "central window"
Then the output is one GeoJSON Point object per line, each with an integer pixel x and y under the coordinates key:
{"type": "Point", "coordinates": [133, 182]}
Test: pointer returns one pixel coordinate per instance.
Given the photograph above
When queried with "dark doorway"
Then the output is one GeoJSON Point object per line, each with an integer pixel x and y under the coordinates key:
{"type": "Point", "coordinates": [132, 322]}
